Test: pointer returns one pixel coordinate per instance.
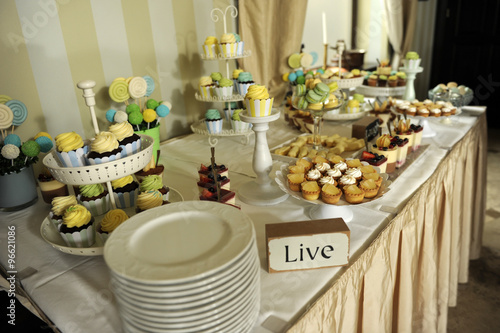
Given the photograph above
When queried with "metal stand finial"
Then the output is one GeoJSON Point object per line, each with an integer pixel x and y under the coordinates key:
{"type": "Point", "coordinates": [215, 17]}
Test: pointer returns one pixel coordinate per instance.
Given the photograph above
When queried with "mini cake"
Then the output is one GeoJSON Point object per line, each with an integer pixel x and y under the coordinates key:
{"type": "Point", "coordinates": [207, 181]}
{"type": "Point", "coordinates": [110, 222]}
{"type": "Point", "coordinates": [403, 130]}
{"type": "Point", "coordinates": [418, 130]}
{"type": "Point", "coordinates": [206, 87]}
{"type": "Point", "coordinates": [310, 190]}
{"type": "Point", "coordinates": [95, 198]}
{"type": "Point", "coordinates": [59, 205]}
{"type": "Point", "coordinates": [330, 194]}
{"type": "Point", "coordinates": [376, 159]}
{"type": "Point", "coordinates": [149, 199]}
{"type": "Point", "coordinates": [236, 74]}
{"type": "Point", "coordinates": [50, 187]}
{"type": "Point", "coordinates": [385, 147]}
{"type": "Point", "coordinates": [258, 102]}
{"type": "Point", "coordinates": [401, 79]}
{"type": "Point", "coordinates": [323, 167]}
{"type": "Point", "coordinates": [125, 191]}
{"type": "Point", "coordinates": [307, 164]}
{"type": "Point", "coordinates": [402, 150]}
{"type": "Point", "coordinates": [245, 80]}
{"type": "Point", "coordinates": [346, 180]}
{"type": "Point", "coordinates": [237, 124]}
{"type": "Point", "coordinates": [151, 183]}
{"type": "Point", "coordinates": [104, 148]}
{"type": "Point", "coordinates": [392, 81]}
{"type": "Point", "coordinates": [226, 196]}
{"type": "Point", "coordinates": [214, 121]}
{"type": "Point", "coordinates": [353, 106]}
{"type": "Point", "coordinates": [70, 149]}
{"type": "Point", "coordinates": [423, 112]}
{"type": "Point", "coordinates": [150, 169]}
{"type": "Point", "coordinates": [127, 139]}
{"type": "Point", "coordinates": [353, 194]}
{"type": "Point", "coordinates": [372, 80]}
{"type": "Point", "coordinates": [224, 88]}
{"type": "Point", "coordinates": [210, 47]}
{"type": "Point", "coordinates": [220, 170]}
{"type": "Point", "coordinates": [369, 187]}
{"type": "Point", "coordinates": [327, 180]}
{"type": "Point", "coordinates": [342, 166]}
{"type": "Point", "coordinates": [77, 228]}
{"type": "Point", "coordinates": [294, 181]}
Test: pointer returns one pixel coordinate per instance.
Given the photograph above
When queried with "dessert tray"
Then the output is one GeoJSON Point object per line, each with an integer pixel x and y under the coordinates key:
{"type": "Point", "coordinates": [100, 173]}
{"type": "Point", "coordinates": [51, 235]}
{"type": "Point", "coordinates": [232, 98]}
{"type": "Point", "coordinates": [381, 91]}
{"type": "Point", "coordinates": [345, 83]}
{"type": "Point", "coordinates": [199, 127]}
{"type": "Point", "coordinates": [220, 56]}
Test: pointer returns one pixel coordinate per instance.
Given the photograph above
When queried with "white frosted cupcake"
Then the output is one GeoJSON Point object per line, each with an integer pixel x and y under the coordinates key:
{"type": "Point", "coordinates": [129, 141]}
{"type": "Point", "coordinates": [104, 148]}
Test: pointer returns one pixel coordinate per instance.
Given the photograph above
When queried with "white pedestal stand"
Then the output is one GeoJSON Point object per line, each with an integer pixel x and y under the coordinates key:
{"type": "Point", "coordinates": [262, 191]}
{"type": "Point", "coordinates": [318, 212]}
{"type": "Point", "coordinates": [428, 131]}
{"type": "Point", "coordinates": [409, 94]}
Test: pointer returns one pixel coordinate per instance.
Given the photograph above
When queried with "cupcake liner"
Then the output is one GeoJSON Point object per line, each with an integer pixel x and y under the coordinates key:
{"type": "Point", "coordinates": [351, 109]}
{"type": "Point", "coordinates": [207, 91]}
{"type": "Point", "coordinates": [103, 236]}
{"type": "Point", "coordinates": [74, 158]}
{"type": "Point", "coordinates": [210, 50]}
{"type": "Point", "coordinates": [243, 87]}
{"type": "Point", "coordinates": [56, 222]}
{"type": "Point", "coordinates": [224, 92]}
{"type": "Point", "coordinates": [236, 86]}
{"type": "Point", "coordinates": [125, 199]}
{"type": "Point", "coordinates": [240, 48]}
{"type": "Point", "coordinates": [259, 107]}
{"type": "Point", "coordinates": [214, 126]}
{"type": "Point", "coordinates": [228, 113]}
{"type": "Point", "coordinates": [131, 148]}
{"type": "Point", "coordinates": [412, 63]}
{"type": "Point", "coordinates": [96, 207]}
{"type": "Point", "coordinates": [82, 238]}
{"type": "Point", "coordinates": [240, 126]}
{"type": "Point", "coordinates": [228, 49]}
{"type": "Point", "coordinates": [100, 160]}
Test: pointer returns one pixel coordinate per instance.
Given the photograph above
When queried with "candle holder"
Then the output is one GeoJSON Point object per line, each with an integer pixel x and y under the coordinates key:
{"type": "Point", "coordinates": [262, 191]}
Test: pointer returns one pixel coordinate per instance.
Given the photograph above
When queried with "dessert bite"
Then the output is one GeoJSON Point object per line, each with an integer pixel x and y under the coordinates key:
{"type": "Point", "coordinates": [149, 199]}
{"type": "Point", "coordinates": [95, 198]}
{"type": "Point", "coordinates": [375, 159]}
{"type": "Point", "coordinates": [418, 130]}
{"type": "Point", "coordinates": [50, 187]}
{"type": "Point", "coordinates": [71, 150]}
{"type": "Point", "coordinates": [59, 206]}
{"type": "Point", "coordinates": [384, 146]}
{"type": "Point", "coordinates": [128, 140]}
{"type": "Point", "coordinates": [125, 191]}
{"type": "Point", "coordinates": [110, 222]}
{"type": "Point", "coordinates": [152, 183]}
{"type": "Point", "coordinates": [402, 129]}
{"type": "Point", "coordinates": [258, 102]}
{"type": "Point", "coordinates": [402, 150]}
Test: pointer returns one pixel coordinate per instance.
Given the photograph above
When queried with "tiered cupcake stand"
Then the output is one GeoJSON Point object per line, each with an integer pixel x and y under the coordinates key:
{"type": "Point", "coordinates": [199, 126]}
{"type": "Point", "coordinates": [94, 174]}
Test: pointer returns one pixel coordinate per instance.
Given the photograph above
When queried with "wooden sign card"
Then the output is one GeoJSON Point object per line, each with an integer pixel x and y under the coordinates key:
{"type": "Point", "coordinates": [307, 245]}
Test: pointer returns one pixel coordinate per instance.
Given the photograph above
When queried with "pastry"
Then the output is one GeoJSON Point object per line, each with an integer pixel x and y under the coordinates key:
{"type": "Point", "coordinates": [372, 80]}
{"type": "Point", "coordinates": [335, 173]}
{"type": "Point", "coordinates": [373, 176]}
{"type": "Point", "coordinates": [127, 139]}
{"type": "Point", "coordinates": [402, 150]}
{"type": "Point", "coordinates": [77, 228]}
{"type": "Point", "coordinates": [330, 194]}
{"type": "Point", "coordinates": [313, 175]}
{"type": "Point", "coordinates": [206, 87]}
{"type": "Point", "coordinates": [310, 190]}
{"type": "Point", "coordinates": [70, 149]}
{"type": "Point", "coordinates": [423, 112]}
{"type": "Point", "coordinates": [125, 191]}
{"type": "Point", "coordinates": [228, 46]}
{"type": "Point", "coordinates": [104, 148]}
{"type": "Point", "coordinates": [418, 130]}
{"type": "Point", "coordinates": [236, 74]}
{"type": "Point", "coordinates": [382, 80]}
{"type": "Point", "coordinates": [220, 170]}
{"type": "Point", "coordinates": [211, 47]}
{"type": "Point", "coordinates": [245, 80]}
{"type": "Point", "coordinates": [226, 196]}
{"type": "Point", "coordinates": [110, 222]}
{"type": "Point", "coordinates": [213, 121]}
{"type": "Point", "coordinates": [353, 106]}
{"type": "Point", "coordinates": [353, 163]}
{"type": "Point", "coordinates": [354, 172]}
{"type": "Point", "coordinates": [392, 81]}
{"type": "Point", "coordinates": [224, 89]}
{"type": "Point", "coordinates": [369, 187]}
{"type": "Point", "coordinates": [346, 180]}
{"type": "Point", "coordinates": [327, 180]}
{"type": "Point", "coordinates": [401, 79]}
{"type": "Point", "coordinates": [353, 194]}
{"type": "Point", "coordinates": [375, 159]}
{"type": "Point", "coordinates": [403, 130]}
{"type": "Point", "coordinates": [95, 198]}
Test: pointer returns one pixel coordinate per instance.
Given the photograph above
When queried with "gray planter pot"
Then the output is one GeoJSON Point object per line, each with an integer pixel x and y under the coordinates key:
{"type": "Point", "coordinates": [18, 190]}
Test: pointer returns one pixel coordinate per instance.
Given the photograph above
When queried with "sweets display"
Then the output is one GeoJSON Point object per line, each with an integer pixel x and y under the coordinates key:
{"type": "Point", "coordinates": [230, 45]}
{"type": "Point", "coordinates": [334, 145]}
{"type": "Point", "coordinates": [425, 108]}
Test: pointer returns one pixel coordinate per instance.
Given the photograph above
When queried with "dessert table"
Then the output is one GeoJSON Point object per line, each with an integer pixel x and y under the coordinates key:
{"type": "Point", "coordinates": [408, 250]}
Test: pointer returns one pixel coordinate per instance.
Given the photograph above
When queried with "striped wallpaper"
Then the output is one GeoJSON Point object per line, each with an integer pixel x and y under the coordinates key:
{"type": "Point", "coordinates": [51, 45]}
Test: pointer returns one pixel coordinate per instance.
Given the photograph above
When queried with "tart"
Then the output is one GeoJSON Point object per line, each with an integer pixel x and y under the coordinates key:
{"type": "Point", "coordinates": [310, 190]}
{"type": "Point", "coordinates": [369, 187]}
{"type": "Point", "coordinates": [353, 194]}
{"type": "Point", "coordinates": [373, 176]}
{"type": "Point", "coordinates": [307, 164]}
{"type": "Point", "coordinates": [296, 169]}
{"type": "Point", "coordinates": [294, 181]}
{"type": "Point", "coordinates": [330, 194]}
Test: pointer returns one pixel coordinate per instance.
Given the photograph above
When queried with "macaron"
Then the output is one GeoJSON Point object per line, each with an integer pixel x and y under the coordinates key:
{"type": "Point", "coordinates": [313, 97]}
{"type": "Point", "coordinates": [302, 105]}
{"type": "Point", "coordinates": [321, 89]}
{"type": "Point", "coordinates": [301, 89]}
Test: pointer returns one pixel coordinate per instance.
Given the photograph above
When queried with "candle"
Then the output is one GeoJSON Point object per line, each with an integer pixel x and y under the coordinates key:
{"type": "Point", "coordinates": [324, 29]}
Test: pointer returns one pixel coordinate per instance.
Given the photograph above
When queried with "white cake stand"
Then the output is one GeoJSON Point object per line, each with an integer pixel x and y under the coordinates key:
{"type": "Point", "coordinates": [262, 191]}
{"type": "Point", "coordinates": [409, 93]}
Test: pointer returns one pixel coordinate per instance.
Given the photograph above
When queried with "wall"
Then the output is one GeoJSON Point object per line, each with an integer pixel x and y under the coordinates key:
{"type": "Point", "coordinates": [50, 45]}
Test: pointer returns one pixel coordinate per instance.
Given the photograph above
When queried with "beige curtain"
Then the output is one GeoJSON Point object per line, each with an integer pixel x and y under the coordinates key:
{"type": "Point", "coordinates": [272, 30]}
{"type": "Point", "coordinates": [408, 277]}
{"type": "Point", "coordinates": [401, 16]}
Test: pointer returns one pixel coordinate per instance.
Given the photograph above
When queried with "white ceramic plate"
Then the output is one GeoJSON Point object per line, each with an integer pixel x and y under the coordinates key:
{"type": "Point", "coordinates": [179, 242]}
{"type": "Point", "coordinates": [52, 236]}
{"type": "Point", "coordinates": [188, 289]}
{"type": "Point", "coordinates": [345, 116]}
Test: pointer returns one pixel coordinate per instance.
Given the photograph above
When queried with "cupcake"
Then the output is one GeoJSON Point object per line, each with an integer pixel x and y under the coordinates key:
{"type": "Point", "coordinates": [70, 149]}
{"type": "Point", "coordinates": [110, 222]}
{"type": "Point", "coordinates": [236, 123]}
{"type": "Point", "coordinates": [392, 81]}
{"type": "Point", "coordinates": [125, 191]}
{"type": "Point", "coordinates": [330, 194]}
{"type": "Point", "coordinates": [372, 80]}
{"type": "Point", "coordinates": [382, 80]}
{"type": "Point", "coordinates": [213, 121]}
{"type": "Point", "coordinates": [153, 182]}
{"type": "Point", "coordinates": [95, 198]}
{"type": "Point", "coordinates": [294, 181]}
{"type": "Point", "coordinates": [369, 187]}
{"type": "Point", "coordinates": [353, 194]}
{"type": "Point", "coordinates": [245, 80]}
{"type": "Point", "coordinates": [236, 74]}
{"type": "Point", "coordinates": [150, 169]}
{"type": "Point", "coordinates": [412, 60]}
{"type": "Point", "coordinates": [129, 141]}
{"type": "Point", "coordinates": [104, 148]}
{"type": "Point", "coordinates": [216, 77]}
{"type": "Point", "coordinates": [240, 45]}
{"type": "Point", "coordinates": [310, 190]}
{"type": "Point", "coordinates": [258, 102]}
{"type": "Point", "coordinates": [353, 106]}
{"type": "Point", "coordinates": [206, 87]}
{"type": "Point", "coordinates": [435, 112]}
{"type": "Point", "coordinates": [401, 79]}
{"type": "Point", "coordinates": [77, 228]}
{"type": "Point", "coordinates": [423, 112]}
{"type": "Point", "coordinates": [59, 205]}
{"type": "Point", "coordinates": [149, 199]}
{"type": "Point", "coordinates": [225, 88]}
{"type": "Point", "coordinates": [228, 45]}
{"type": "Point", "coordinates": [210, 47]}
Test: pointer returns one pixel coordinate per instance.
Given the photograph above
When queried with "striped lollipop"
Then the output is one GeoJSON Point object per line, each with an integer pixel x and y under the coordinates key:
{"type": "Point", "coordinates": [19, 110]}
{"type": "Point", "coordinates": [4, 98]}
{"type": "Point", "coordinates": [137, 87]}
{"type": "Point", "coordinates": [6, 117]}
{"type": "Point", "coordinates": [151, 85]}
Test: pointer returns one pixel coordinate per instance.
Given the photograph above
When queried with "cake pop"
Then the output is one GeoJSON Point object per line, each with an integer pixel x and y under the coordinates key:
{"type": "Point", "coordinates": [135, 118]}
{"type": "Point", "coordinates": [10, 152]}
{"type": "Point", "coordinates": [31, 149]}
{"type": "Point", "coordinates": [110, 115]}
{"type": "Point", "coordinates": [12, 139]}
{"type": "Point", "coordinates": [121, 116]}
{"type": "Point", "coordinates": [45, 143]}
{"type": "Point", "coordinates": [152, 104]}
{"type": "Point", "coordinates": [149, 116]}
{"type": "Point", "coordinates": [132, 107]}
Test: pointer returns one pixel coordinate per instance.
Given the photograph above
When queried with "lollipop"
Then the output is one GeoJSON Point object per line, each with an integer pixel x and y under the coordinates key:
{"type": "Point", "coordinates": [168, 104]}
{"type": "Point", "coordinates": [4, 98]}
{"type": "Point", "coordinates": [19, 110]}
{"type": "Point", "coordinates": [30, 149]}
{"type": "Point", "coordinates": [6, 117]}
{"type": "Point", "coordinates": [151, 85]}
{"type": "Point", "coordinates": [152, 104]}
{"type": "Point", "coordinates": [121, 116]}
{"type": "Point", "coordinates": [45, 143]}
{"type": "Point", "coordinates": [149, 116]}
{"type": "Point", "coordinates": [118, 91]}
{"type": "Point", "coordinates": [137, 87]}
{"type": "Point", "coordinates": [132, 107]}
{"type": "Point", "coordinates": [129, 79]}
{"type": "Point", "coordinates": [110, 115]}
{"type": "Point", "coordinates": [10, 152]}
{"type": "Point", "coordinates": [12, 139]}
{"type": "Point", "coordinates": [119, 79]}
{"type": "Point", "coordinates": [135, 118]}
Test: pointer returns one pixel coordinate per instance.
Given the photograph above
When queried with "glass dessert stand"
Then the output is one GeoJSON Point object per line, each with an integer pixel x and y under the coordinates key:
{"type": "Point", "coordinates": [262, 191]}
{"type": "Point", "coordinates": [323, 210]}
{"type": "Point", "coordinates": [317, 115]}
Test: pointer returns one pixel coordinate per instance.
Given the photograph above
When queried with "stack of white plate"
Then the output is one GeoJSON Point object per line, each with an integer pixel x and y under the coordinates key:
{"type": "Point", "coordinates": [186, 267]}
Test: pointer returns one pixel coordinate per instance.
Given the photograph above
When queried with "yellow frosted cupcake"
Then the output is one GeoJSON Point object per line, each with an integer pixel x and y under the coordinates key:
{"type": "Point", "coordinates": [211, 47]}
{"type": "Point", "coordinates": [330, 194]}
{"type": "Point", "coordinates": [310, 190]}
{"type": "Point", "coordinates": [258, 102]}
{"type": "Point", "coordinates": [369, 187]}
{"type": "Point", "coordinates": [353, 194]}
{"type": "Point", "coordinates": [110, 222]}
